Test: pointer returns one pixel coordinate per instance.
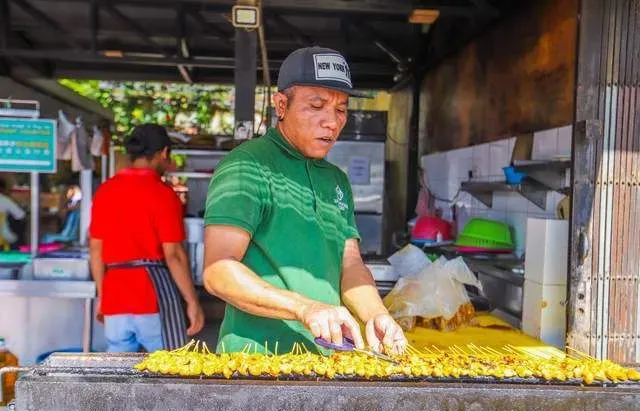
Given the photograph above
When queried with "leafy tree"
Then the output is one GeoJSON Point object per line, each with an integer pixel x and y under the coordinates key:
{"type": "Point", "coordinates": [193, 109]}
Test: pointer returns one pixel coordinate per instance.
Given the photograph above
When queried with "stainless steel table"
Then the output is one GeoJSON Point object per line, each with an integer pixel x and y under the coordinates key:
{"type": "Point", "coordinates": [57, 289]}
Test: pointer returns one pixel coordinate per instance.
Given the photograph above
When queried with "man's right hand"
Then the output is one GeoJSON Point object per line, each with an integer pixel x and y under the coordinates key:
{"type": "Point", "coordinates": [331, 323]}
{"type": "Point", "coordinates": [99, 315]}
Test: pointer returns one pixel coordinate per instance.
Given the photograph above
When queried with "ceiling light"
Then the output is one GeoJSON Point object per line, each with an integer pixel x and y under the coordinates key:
{"type": "Point", "coordinates": [245, 17]}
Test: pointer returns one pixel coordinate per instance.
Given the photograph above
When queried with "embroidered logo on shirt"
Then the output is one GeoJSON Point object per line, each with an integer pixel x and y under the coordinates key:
{"type": "Point", "coordinates": [338, 201]}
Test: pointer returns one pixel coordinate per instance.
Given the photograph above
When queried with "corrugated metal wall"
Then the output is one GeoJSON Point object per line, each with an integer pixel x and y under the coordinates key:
{"type": "Point", "coordinates": [608, 75]}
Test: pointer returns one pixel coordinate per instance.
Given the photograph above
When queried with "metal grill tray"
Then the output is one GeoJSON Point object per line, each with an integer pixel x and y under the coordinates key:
{"type": "Point", "coordinates": [121, 365]}
{"type": "Point", "coordinates": [130, 372]}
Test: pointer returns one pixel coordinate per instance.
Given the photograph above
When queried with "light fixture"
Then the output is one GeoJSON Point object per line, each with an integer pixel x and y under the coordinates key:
{"type": "Point", "coordinates": [245, 17]}
{"type": "Point", "coordinates": [424, 16]}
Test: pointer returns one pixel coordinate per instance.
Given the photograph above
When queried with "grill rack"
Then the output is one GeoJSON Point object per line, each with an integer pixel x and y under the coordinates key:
{"type": "Point", "coordinates": [312, 377]}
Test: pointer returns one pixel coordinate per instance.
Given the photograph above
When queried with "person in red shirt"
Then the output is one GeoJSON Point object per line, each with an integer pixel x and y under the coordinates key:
{"type": "Point", "coordinates": [138, 262]}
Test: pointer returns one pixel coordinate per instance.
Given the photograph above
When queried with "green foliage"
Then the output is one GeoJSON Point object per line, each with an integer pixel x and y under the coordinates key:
{"type": "Point", "coordinates": [181, 107]}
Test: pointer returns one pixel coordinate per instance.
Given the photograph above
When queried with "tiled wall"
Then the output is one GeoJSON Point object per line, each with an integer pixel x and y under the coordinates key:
{"type": "Point", "coordinates": [445, 171]}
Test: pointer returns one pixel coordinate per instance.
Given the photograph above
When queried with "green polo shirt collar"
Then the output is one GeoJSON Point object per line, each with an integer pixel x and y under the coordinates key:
{"type": "Point", "coordinates": [275, 135]}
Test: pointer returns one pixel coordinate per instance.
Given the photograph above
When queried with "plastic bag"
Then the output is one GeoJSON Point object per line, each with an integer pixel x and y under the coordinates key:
{"type": "Point", "coordinates": [435, 298]}
{"type": "Point", "coordinates": [409, 261]}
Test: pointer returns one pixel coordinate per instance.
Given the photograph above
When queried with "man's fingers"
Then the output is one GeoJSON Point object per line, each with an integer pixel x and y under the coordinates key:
{"type": "Point", "coordinates": [192, 325]}
{"type": "Point", "coordinates": [336, 332]}
{"type": "Point", "coordinates": [372, 337]}
{"type": "Point", "coordinates": [389, 335]}
{"type": "Point", "coordinates": [399, 342]}
{"type": "Point", "coordinates": [315, 329]}
{"type": "Point", "coordinates": [352, 327]}
{"type": "Point", "coordinates": [325, 330]}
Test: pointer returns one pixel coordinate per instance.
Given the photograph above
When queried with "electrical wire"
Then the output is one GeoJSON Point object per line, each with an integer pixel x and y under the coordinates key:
{"type": "Point", "coordinates": [425, 186]}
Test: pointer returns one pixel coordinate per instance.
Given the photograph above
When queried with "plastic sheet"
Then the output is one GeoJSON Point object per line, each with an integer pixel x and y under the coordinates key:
{"type": "Point", "coordinates": [435, 296]}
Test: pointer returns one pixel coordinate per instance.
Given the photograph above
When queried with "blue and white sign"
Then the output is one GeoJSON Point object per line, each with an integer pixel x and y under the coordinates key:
{"type": "Point", "coordinates": [27, 145]}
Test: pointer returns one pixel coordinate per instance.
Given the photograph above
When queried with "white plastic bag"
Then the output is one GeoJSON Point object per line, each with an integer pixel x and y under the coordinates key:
{"type": "Point", "coordinates": [409, 261]}
{"type": "Point", "coordinates": [437, 292]}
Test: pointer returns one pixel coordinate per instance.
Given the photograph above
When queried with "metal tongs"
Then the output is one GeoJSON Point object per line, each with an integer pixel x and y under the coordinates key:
{"type": "Point", "coordinates": [348, 345]}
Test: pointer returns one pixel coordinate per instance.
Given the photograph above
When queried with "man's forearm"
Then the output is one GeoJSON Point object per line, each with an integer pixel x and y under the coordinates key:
{"type": "Point", "coordinates": [178, 264]}
{"type": "Point", "coordinates": [359, 292]}
{"type": "Point", "coordinates": [236, 284]}
{"type": "Point", "coordinates": [97, 264]}
{"type": "Point", "coordinates": [97, 272]}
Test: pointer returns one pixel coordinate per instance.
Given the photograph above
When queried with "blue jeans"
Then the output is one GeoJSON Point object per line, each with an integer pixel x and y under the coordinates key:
{"type": "Point", "coordinates": [127, 332]}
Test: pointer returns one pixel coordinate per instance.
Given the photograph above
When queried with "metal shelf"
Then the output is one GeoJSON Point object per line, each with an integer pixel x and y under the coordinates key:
{"type": "Point", "coordinates": [201, 153]}
{"type": "Point", "coordinates": [190, 174]}
{"type": "Point", "coordinates": [48, 289]}
{"type": "Point", "coordinates": [551, 174]}
{"type": "Point", "coordinates": [529, 189]}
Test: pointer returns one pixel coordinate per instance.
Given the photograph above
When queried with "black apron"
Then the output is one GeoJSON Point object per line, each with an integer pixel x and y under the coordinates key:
{"type": "Point", "coordinates": [170, 305]}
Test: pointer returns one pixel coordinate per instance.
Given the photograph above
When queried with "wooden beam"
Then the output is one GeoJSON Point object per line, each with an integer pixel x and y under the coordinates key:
{"type": "Point", "coordinates": [587, 135]}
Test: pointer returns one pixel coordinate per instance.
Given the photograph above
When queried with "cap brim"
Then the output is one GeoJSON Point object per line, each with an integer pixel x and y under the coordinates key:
{"type": "Point", "coordinates": [351, 92]}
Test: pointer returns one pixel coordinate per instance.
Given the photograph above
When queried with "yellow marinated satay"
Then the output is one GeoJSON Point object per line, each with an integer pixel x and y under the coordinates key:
{"type": "Point", "coordinates": [520, 357]}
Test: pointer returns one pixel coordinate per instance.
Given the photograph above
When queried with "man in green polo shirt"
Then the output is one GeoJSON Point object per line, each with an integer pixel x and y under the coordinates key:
{"type": "Point", "coordinates": [281, 244]}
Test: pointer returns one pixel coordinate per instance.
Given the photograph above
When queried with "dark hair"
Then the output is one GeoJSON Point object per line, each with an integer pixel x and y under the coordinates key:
{"type": "Point", "coordinates": [3, 185]}
{"type": "Point", "coordinates": [289, 92]}
{"type": "Point", "coordinates": [146, 140]}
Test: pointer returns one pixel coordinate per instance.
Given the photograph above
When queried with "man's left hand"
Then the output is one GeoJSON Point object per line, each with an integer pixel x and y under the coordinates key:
{"type": "Point", "coordinates": [195, 314]}
{"type": "Point", "coordinates": [385, 335]}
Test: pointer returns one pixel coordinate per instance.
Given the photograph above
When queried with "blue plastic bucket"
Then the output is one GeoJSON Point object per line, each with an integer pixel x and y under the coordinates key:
{"type": "Point", "coordinates": [513, 176]}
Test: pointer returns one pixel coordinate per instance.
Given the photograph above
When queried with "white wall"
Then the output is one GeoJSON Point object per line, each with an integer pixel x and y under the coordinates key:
{"type": "Point", "coordinates": [445, 171]}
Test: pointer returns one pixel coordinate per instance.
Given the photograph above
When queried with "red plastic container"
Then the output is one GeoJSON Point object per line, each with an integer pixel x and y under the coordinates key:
{"type": "Point", "coordinates": [427, 228]}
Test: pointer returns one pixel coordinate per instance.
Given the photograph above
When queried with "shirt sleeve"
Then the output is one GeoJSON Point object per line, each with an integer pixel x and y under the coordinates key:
{"type": "Point", "coordinates": [238, 193]}
{"type": "Point", "coordinates": [169, 218]}
{"type": "Point", "coordinates": [351, 229]}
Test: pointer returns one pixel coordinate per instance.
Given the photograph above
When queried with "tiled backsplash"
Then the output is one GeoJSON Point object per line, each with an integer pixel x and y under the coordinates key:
{"type": "Point", "coordinates": [445, 171]}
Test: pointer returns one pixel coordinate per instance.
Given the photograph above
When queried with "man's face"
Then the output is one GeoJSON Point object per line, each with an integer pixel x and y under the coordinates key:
{"type": "Point", "coordinates": [311, 118]}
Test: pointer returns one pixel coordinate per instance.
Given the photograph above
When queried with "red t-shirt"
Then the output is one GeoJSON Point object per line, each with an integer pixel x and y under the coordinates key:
{"type": "Point", "coordinates": [133, 213]}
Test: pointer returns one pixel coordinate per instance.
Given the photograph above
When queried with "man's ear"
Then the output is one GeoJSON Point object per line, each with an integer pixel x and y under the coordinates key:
{"type": "Point", "coordinates": [280, 102]}
{"type": "Point", "coordinates": [165, 153]}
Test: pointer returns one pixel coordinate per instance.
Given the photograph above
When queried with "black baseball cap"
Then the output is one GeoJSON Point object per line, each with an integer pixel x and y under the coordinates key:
{"type": "Point", "coordinates": [319, 67]}
{"type": "Point", "coordinates": [147, 139]}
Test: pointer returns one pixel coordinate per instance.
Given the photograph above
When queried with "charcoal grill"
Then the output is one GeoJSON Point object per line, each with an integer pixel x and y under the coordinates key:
{"type": "Point", "coordinates": [74, 382]}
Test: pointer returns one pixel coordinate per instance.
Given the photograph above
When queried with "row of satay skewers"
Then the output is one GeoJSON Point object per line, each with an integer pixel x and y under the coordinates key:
{"type": "Point", "coordinates": [456, 362]}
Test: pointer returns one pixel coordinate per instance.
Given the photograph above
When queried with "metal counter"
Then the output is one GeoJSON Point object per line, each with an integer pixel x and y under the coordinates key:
{"type": "Point", "coordinates": [56, 289]}
{"type": "Point", "coordinates": [503, 288]}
